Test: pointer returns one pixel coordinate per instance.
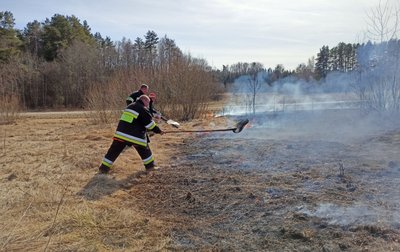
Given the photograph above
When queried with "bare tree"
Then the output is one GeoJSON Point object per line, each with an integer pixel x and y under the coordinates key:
{"type": "Point", "coordinates": [379, 64]}
{"type": "Point", "coordinates": [383, 21]}
{"type": "Point", "coordinates": [9, 99]}
{"type": "Point", "coordinates": [186, 88]}
{"type": "Point", "coordinates": [254, 82]}
{"type": "Point", "coordinates": [79, 66]}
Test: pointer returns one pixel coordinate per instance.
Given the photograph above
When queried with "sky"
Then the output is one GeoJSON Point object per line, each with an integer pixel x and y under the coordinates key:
{"type": "Point", "coordinates": [223, 32]}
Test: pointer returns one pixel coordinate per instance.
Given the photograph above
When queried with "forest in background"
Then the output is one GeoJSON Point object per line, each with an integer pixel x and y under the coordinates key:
{"type": "Point", "coordinates": [60, 63]}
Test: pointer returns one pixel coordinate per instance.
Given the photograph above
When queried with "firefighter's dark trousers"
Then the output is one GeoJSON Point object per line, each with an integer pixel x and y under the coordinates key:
{"type": "Point", "coordinates": [117, 146]}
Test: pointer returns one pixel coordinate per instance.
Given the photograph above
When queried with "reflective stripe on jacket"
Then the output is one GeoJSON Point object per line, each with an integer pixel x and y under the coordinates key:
{"type": "Point", "coordinates": [134, 122]}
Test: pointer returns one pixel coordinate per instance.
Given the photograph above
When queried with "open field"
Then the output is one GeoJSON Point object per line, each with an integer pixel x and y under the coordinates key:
{"type": "Point", "coordinates": [265, 189]}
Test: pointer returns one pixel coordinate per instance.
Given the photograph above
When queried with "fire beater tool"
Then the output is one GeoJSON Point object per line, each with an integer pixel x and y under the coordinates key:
{"type": "Point", "coordinates": [239, 127]}
{"type": "Point", "coordinates": [170, 122]}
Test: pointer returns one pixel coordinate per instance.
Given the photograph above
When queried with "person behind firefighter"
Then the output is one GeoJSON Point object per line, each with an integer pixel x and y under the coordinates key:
{"type": "Point", "coordinates": [135, 95]}
{"type": "Point", "coordinates": [154, 113]}
{"type": "Point", "coordinates": [131, 131]}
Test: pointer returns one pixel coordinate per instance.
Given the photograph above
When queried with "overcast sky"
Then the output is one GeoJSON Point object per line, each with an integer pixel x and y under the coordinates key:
{"type": "Point", "coordinates": [271, 32]}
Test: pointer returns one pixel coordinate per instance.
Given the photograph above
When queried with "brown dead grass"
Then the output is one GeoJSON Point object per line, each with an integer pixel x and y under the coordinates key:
{"type": "Point", "coordinates": [202, 198]}
{"type": "Point", "coordinates": [49, 190]}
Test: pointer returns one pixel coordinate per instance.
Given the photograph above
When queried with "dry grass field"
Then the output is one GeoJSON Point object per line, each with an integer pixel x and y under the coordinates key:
{"type": "Point", "coordinates": [253, 191]}
{"type": "Point", "coordinates": [51, 197]}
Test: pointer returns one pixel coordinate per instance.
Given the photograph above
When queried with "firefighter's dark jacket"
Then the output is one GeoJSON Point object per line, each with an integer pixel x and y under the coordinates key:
{"type": "Point", "coordinates": [152, 111]}
{"type": "Point", "coordinates": [134, 96]}
{"type": "Point", "coordinates": [134, 123]}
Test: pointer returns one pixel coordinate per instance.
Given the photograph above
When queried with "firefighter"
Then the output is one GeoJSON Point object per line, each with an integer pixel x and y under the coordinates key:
{"type": "Point", "coordinates": [131, 131]}
{"type": "Point", "coordinates": [135, 95]}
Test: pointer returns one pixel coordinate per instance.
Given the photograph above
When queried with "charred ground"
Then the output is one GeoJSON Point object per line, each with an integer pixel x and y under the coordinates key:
{"type": "Point", "coordinates": [266, 194]}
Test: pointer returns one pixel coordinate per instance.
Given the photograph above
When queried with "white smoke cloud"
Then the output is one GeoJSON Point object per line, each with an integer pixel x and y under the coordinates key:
{"type": "Point", "coordinates": [354, 215]}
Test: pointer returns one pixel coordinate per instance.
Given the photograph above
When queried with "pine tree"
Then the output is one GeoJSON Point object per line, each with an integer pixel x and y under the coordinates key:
{"type": "Point", "coordinates": [150, 46]}
{"type": "Point", "coordinates": [168, 52]}
{"type": "Point", "coordinates": [33, 37]}
{"type": "Point", "coordinates": [10, 44]}
{"type": "Point", "coordinates": [138, 48]}
{"type": "Point", "coordinates": [60, 32]}
{"type": "Point", "coordinates": [322, 62]}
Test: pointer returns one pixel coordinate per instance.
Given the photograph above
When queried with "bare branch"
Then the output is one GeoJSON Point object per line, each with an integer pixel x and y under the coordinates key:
{"type": "Point", "coordinates": [383, 22]}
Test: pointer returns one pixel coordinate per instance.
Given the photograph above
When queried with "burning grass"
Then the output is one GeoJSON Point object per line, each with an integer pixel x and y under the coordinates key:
{"type": "Point", "coordinates": [224, 191]}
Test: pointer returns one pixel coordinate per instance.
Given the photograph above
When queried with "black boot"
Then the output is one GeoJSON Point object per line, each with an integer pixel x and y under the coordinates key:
{"type": "Point", "coordinates": [151, 167]}
{"type": "Point", "coordinates": [104, 169]}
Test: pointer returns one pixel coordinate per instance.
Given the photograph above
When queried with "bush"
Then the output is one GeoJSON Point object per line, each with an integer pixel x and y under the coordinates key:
{"type": "Point", "coordinates": [103, 104]}
{"type": "Point", "coordinates": [9, 108]}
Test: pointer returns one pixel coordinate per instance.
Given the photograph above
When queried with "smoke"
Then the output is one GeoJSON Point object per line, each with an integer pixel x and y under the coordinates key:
{"type": "Point", "coordinates": [354, 215]}
{"type": "Point", "coordinates": [242, 84]}
{"type": "Point", "coordinates": [378, 74]}
{"type": "Point", "coordinates": [347, 117]}
{"type": "Point", "coordinates": [291, 94]}
{"type": "Point", "coordinates": [344, 105]}
{"type": "Point", "coordinates": [329, 110]}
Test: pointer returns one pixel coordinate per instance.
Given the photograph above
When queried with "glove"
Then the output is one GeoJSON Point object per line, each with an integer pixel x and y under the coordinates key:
{"type": "Point", "coordinates": [157, 115]}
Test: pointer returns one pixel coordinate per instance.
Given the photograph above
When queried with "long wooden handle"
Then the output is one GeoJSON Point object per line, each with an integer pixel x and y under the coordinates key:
{"type": "Point", "coordinates": [187, 131]}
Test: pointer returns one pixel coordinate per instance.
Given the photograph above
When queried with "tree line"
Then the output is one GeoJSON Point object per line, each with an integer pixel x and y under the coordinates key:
{"type": "Point", "coordinates": [371, 70]}
{"type": "Point", "coordinates": [58, 62]}
{"type": "Point", "coordinates": [54, 63]}
{"type": "Point", "coordinates": [341, 58]}
{"type": "Point", "coordinates": [61, 63]}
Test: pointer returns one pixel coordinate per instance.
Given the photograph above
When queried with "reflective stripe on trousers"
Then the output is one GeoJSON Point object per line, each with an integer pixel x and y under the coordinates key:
{"type": "Point", "coordinates": [117, 147]}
